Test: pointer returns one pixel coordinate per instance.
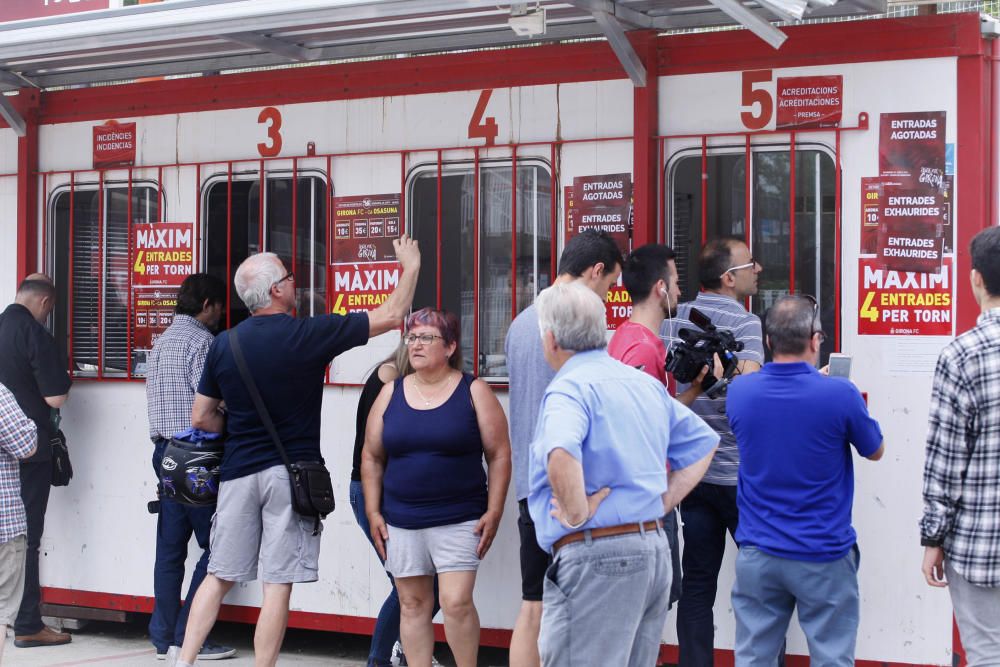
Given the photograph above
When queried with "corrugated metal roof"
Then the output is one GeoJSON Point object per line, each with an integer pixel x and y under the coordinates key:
{"type": "Point", "coordinates": [207, 36]}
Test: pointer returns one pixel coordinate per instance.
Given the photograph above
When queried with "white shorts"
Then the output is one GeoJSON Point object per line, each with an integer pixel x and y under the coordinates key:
{"type": "Point", "coordinates": [426, 551]}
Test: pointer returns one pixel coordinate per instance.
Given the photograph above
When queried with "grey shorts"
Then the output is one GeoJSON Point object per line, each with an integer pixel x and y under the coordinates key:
{"type": "Point", "coordinates": [11, 578]}
{"type": "Point", "coordinates": [254, 520]}
{"type": "Point", "coordinates": [426, 551]}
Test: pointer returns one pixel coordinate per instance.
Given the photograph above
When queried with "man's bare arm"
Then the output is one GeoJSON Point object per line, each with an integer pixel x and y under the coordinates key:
{"type": "Point", "coordinates": [390, 314]}
{"type": "Point", "coordinates": [205, 414]}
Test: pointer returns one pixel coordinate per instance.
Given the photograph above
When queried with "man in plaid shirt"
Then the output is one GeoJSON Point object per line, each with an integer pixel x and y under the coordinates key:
{"type": "Point", "coordinates": [18, 440]}
{"type": "Point", "coordinates": [960, 528]}
{"type": "Point", "coordinates": [175, 365]}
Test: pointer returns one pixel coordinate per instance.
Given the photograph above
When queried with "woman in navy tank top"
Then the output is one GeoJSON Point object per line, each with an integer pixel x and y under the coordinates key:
{"type": "Point", "coordinates": [432, 507]}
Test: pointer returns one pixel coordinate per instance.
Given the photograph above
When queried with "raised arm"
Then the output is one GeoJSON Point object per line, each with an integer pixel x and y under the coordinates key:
{"type": "Point", "coordinates": [393, 310]}
{"type": "Point", "coordinates": [496, 448]}
{"type": "Point", "coordinates": [373, 468]}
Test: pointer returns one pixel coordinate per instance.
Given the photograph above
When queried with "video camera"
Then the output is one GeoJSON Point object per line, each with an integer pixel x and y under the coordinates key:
{"type": "Point", "coordinates": [696, 351]}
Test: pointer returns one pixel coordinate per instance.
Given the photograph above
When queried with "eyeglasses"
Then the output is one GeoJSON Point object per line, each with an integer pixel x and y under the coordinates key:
{"type": "Point", "coordinates": [425, 339]}
{"type": "Point", "coordinates": [752, 262]}
{"type": "Point", "coordinates": [290, 277]}
{"type": "Point", "coordinates": [815, 304]}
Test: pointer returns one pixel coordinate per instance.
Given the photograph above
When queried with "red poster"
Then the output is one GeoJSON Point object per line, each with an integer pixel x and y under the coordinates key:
{"type": "Point", "coordinates": [912, 146]}
{"type": "Point", "coordinates": [809, 101]}
{"type": "Point", "coordinates": [114, 145]}
{"type": "Point", "coordinates": [364, 228]}
{"type": "Point", "coordinates": [871, 193]}
{"type": "Point", "coordinates": [911, 229]}
{"type": "Point", "coordinates": [604, 203]}
{"type": "Point", "coordinates": [363, 267]}
{"type": "Point", "coordinates": [901, 303]}
{"type": "Point", "coordinates": [162, 257]}
{"type": "Point", "coordinates": [16, 10]}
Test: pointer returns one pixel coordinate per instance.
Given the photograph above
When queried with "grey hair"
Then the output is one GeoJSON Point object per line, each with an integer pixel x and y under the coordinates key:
{"type": "Point", "coordinates": [575, 316]}
{"type": "Point", "coordinates": [255, 277]}
{"type": "Point", "coordinates": [790, 325]}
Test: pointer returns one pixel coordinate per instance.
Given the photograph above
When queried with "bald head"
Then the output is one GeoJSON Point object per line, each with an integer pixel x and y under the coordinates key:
{"type": "Point", "coordinates": [255, 278]}
{"type": "Point", "coordinates": [37, 293]}
{"type": "Point", "coordinates": [791, 323]}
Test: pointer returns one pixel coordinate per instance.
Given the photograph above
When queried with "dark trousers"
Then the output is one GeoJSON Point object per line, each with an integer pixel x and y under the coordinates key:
{"type": "Point", "coordinates": [36, 481]}
{"type": "Point", "coordinates": [174, 526]}
{"type": "Point", "coordinates": [707, 513]}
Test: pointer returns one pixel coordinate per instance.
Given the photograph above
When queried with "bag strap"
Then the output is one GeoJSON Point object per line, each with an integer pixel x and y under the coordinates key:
{"type": "Point", "coordinates": [265, 416]}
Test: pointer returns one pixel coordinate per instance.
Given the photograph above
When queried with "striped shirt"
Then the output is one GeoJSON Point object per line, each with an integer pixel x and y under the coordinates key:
{"type": "Point", "coordinates": [727, 314]}
{"type": "Point", "coordinates": [18, 437]}
{"type": "Point", "coordinates": [962, 469]}
{"type": "Point", "coordinates": [175, 365]}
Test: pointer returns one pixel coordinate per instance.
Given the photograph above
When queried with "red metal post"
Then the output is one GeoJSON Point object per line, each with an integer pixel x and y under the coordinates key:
{"type": "Point", "coordinates": [645, 128]}
{"type": "Point", "coordinates": [27, 194]}
{"type": "Point", "coordinates": [295, 222]}
{"type": "Point", "coordinates": [128, 278]}
{"type": "Point", "coordinates": [45, 221]}
{"type": "Point", "coordinates": [513, 233]}
{"type": "Point", "coordinates": [229, 243]}
{"type": "Point", "coordinates": [556, 191]}
{"type": "Point", "coordinates": [791, 214]}
{"type": "Point", "coordinates": [198, 200]}
{"type": "Point", "coordinates": [661, 187]}
{"type": "Point", "coordinates": [260, 208]}
{"type": "Point", "coordinates": [747, 187]}
{"type": "Point", "coordinates": [973, 193]}
{"type": "Point", "coordinates": [330, 234]}
{"type": "Point", "coordinates": [69, 278]}
{"type": "Point", "coordinates": [101, 240]}
{"type": "Point", "coordinates": [475, 271]}
{"type": "Point", "coordinates": [704, 189]}
{"type": "Point", "coordinates": [836, 245]}
{"type": "Point", "coordinates": [437, 254]}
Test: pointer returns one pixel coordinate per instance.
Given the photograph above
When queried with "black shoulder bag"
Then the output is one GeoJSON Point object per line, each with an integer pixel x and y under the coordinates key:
{"type": "Point", "coordinates": [312, 489]}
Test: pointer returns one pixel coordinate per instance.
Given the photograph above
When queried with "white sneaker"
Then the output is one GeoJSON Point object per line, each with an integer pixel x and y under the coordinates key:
{"type": "Point", "coordinates": [397, 659]}
{"type": "Point", "coordinates": [173, 658]}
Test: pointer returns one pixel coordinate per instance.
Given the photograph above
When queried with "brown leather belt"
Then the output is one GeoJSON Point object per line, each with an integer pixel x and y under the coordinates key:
{"type": "Point", "coordinates": [610, 531]}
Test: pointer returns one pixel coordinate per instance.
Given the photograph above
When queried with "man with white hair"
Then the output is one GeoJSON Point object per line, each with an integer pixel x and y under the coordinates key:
{"type": "Point", "coordinates": [603, 426]}
{"type": "Point", "coordinates": [287, 357]}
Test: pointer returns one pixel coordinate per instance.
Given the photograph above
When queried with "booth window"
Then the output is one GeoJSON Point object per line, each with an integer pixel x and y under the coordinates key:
{"type": "Point", "coordinates": [769, 223]}
{"type": "Point", "coordinates": [498, 260]}
{"type": "Point", "coordinates": [94, 290]}
{"type": "Point", "coordinates": [241, 224]}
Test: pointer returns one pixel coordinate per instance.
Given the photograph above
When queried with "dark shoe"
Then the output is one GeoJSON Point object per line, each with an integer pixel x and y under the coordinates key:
{"type": "Point", "coordinates": [211, 651]}
{"type": "Point", "coordinates": [44, 637]}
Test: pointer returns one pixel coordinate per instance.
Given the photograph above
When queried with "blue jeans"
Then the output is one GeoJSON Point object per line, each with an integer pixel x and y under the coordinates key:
{"type": "Point", "coordinates": [769, 588]}
{"type": "Point", "coordinates": [707, 513]}
{"type": "Point", "coordinates": [174, 525]}
{"type": "Point", "coordinates": [386, 632]}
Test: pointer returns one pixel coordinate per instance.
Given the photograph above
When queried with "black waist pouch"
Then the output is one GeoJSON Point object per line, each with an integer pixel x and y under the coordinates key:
{"type": "Point", "coordinates": [312, 489]}
{"type": "Point", "coordinates": [62, 469]}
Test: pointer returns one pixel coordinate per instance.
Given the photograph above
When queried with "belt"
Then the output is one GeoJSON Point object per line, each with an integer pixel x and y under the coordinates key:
{"type": "Point", "coordinates": [610, 531]}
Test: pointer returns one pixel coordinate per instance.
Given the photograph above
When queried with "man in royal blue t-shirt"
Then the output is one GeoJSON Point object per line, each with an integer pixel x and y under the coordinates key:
{"type": "Point", "coordinates": [287, 358]}
{"type": "Point", "coordinates": [794, 428]}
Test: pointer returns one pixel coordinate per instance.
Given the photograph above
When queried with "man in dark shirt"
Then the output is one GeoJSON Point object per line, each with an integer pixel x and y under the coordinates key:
{"type": "Point", "coordinates": [30, 366]}
{"type": "Point", "coordinates": [287, 358]}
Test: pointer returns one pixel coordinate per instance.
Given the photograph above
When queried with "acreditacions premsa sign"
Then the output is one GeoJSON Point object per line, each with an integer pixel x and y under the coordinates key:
{"type": "Point", "coordinates": [19, 10]}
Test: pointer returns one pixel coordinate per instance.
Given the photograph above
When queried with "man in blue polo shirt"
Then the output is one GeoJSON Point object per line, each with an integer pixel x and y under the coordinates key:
{"type": "Point", "coordinates": [794, 428]}
{"type": "Point", "coordinates": [598, 487]}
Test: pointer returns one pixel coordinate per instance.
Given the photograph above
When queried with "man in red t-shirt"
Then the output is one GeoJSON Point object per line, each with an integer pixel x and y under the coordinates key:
{"type": "Point", "coordinates": [650, 277]}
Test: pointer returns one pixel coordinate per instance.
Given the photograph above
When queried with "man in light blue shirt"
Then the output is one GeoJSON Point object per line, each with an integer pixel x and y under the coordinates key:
{"type": "Point", "coordinates": [598, 486]}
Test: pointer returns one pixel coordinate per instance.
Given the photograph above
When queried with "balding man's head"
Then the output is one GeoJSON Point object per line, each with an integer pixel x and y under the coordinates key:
{"type": "Point", "coordinates": [37, 293]}
{"type": "Point", "coordinates": [791, 323]}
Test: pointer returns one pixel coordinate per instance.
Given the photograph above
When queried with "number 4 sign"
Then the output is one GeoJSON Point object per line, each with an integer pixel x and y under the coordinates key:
{"type": "Point", "coordinates": [483, 128]}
